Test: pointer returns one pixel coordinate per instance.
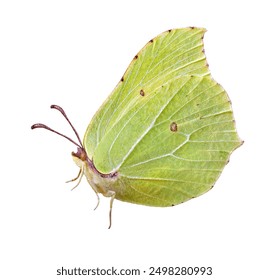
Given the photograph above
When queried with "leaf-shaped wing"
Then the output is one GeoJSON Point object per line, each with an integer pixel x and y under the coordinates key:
{"type": "Point", "coordinates": [168, 56]}
{"type": "Point", "coordinates": [173, 146]}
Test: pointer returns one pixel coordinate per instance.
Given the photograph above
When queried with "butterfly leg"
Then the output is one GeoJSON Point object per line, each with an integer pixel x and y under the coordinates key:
{"type": "Point", "coordinates": [79, 177]}
{"type": "Point", "coordinates": [111, 194]}
{"type": "Point", "coordinates": [98, 199]}
{"type": "Point", "coordinates": [72, 180]}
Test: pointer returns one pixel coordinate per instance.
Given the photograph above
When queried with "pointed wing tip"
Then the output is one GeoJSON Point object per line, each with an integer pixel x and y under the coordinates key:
{"type": "Point", "coordinates": [241, 142]}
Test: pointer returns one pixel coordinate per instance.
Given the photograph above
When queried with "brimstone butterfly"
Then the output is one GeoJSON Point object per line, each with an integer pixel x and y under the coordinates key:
{"type": "Point", "coordinates": [165, 133]}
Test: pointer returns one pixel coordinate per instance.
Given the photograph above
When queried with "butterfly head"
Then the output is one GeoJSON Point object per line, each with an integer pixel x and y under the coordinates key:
{"type": "Point", "coordinates": [80, 157]}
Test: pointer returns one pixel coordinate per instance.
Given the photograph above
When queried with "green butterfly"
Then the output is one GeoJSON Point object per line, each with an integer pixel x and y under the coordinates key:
{"type": "Point", "coordinates": [165, 133]}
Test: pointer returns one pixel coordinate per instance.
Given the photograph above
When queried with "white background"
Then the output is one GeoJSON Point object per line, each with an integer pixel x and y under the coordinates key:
{"type": "Point", "coordinates": [73, 53]}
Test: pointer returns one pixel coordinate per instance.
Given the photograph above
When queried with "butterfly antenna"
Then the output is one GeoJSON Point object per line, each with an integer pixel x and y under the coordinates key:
{"type": "Point", "coordinates": [41, 125]}
{"type": "Point", "coordinates": [61, 110]}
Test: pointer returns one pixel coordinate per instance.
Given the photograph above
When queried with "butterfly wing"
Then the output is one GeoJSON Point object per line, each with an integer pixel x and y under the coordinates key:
{"type": "Point", "coordinates": [167, 128]}
{"type": "Point", "coordinates": [168, 56]}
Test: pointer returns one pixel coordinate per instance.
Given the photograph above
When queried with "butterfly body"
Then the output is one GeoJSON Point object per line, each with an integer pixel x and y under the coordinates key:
{"type": "Point", "coordinates": [166, 132]}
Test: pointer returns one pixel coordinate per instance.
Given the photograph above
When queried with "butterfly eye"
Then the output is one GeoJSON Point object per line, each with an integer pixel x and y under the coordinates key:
{"type": "Point", "coordinates": [81, 154]}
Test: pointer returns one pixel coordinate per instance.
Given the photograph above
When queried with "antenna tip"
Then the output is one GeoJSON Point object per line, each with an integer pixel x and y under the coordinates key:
{"type": "Point", "coordinates": [59, 109]}
{"type": "Point", "coordinates": [56, 107]}
{"type": "Point", "coordinates": [34, 126]}
{"type": "Point", "coordinates": [38, 125]}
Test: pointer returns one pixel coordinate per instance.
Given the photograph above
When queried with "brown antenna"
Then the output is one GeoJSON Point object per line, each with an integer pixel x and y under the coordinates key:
{"type": "Point", "coordinates": [40, 125]}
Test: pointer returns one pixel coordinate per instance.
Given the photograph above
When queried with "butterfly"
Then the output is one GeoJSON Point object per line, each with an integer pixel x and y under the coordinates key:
{"type": "Point", "coordinates": [165, 133]}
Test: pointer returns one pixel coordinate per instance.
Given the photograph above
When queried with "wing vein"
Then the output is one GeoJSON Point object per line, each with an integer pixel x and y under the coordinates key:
{"type": "Point", "coordinates": [149, 127]}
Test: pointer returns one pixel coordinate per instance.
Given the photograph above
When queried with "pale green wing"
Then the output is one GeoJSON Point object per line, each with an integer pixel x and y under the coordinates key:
{"type": "Point", "coordinates": [175, 144]}
{"type": "Point", "coordinates": [168, 56]}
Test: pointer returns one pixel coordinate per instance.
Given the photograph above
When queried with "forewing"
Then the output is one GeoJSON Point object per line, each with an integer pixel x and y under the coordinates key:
{"type": "Point", "coordinates": [168, 56]}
